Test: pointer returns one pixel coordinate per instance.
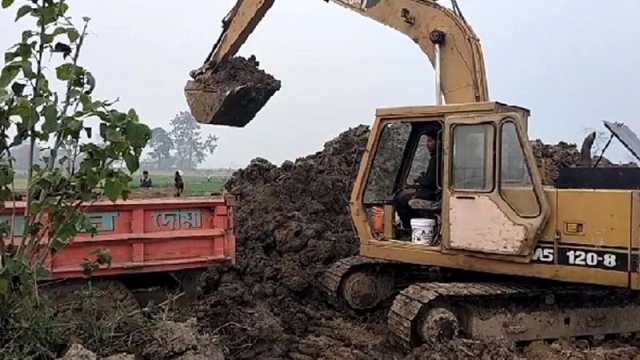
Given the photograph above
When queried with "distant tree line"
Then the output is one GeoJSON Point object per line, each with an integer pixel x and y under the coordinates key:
{"type": "Point", "coordinates": [182, 147]}
{"type": "Point", "coordinates": [71, 154]}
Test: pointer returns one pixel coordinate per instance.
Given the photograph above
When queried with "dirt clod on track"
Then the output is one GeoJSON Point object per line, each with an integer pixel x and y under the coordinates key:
{"type": "Point", "coordinates": [293, 221]}
{"type": "Point", "coordinates": [232, 93]}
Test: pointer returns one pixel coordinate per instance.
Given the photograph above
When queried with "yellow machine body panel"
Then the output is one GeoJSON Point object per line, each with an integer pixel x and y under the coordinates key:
{"type": "Point", "coordinates": [572, 235]}
{"type": "Point", "coordinates": [591, 229]}
{"type": "Point", "coordinates": [597, 218]}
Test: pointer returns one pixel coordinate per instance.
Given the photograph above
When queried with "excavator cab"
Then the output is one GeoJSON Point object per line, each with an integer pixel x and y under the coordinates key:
{"type": "Point", "coordinates": [485, 198]}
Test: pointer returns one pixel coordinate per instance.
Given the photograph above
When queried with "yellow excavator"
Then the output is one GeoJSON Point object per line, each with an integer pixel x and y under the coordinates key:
{"type": "Point", "coordinates": [491, 253]}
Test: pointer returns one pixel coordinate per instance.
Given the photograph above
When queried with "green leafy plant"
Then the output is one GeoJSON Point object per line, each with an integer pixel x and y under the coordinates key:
{"type": "Point", "coordinates": [47, 101]}
{"type": "Point", "coordinates": [99, 257]}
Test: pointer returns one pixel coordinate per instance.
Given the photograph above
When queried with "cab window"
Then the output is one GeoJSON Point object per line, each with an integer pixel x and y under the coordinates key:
{"type": "Point", "coordinates": [473, 160]}
{"type": "Point", "coordinates": [516, 185]}
{"type": "Point", "coordinates": [387, 163]}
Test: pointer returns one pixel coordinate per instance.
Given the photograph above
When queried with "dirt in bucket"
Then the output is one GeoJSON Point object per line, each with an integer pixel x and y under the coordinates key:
{"type": "Point", "coordinates": [232, 93]}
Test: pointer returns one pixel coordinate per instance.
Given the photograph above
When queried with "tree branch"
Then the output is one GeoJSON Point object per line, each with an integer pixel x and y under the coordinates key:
{"type": "Point", "coordinates": [67, 101]}
{"type": "Point", "coordinates": [32, 127]}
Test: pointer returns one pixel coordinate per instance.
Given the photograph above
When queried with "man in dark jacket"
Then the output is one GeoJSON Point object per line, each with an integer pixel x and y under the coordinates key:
{"type": "Point", "coordinates": [426, 186]}
{"type": "Point", "coordinates": [178, 183]}
{"type": "Point", "coordinates": [145, 180]}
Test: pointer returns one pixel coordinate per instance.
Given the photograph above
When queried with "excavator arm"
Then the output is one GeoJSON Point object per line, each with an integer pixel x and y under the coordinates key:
{"type": "Point", "coordinates": [236, 28]}
{"type": "Point", "coordinates": [431, 26]}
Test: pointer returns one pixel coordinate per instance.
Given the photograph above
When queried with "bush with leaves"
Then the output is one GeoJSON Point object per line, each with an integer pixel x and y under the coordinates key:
{"type": "Point", "coordinates": [34, 112]}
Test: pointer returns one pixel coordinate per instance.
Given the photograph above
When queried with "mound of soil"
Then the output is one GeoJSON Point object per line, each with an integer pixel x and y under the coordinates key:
{"type": "Point", "coordinates": [551, 158]}
{"type": "Point", "coordinates": [231, 94]}
{"type": "Point", "coordinates": [293, 222]}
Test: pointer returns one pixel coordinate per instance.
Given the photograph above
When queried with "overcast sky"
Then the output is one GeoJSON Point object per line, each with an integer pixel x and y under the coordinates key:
{"type": "Point", "coordinates": [573, 63]}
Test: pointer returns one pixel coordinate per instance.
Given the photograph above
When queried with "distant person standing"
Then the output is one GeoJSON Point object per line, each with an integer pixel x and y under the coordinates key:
{"type": "Point", "coordinates": [145, 180]}
{"type": "Point", "coordinates": [178, 183]}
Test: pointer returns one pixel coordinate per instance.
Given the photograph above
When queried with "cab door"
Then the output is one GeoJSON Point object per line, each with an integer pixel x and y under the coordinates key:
{"type": "Point", "coordinates": [493, 200]}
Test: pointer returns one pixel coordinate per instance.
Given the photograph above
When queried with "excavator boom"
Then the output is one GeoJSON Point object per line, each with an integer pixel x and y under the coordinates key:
{"type": "Point", "coordinates": [428, 24]}
{"type": "Point", "coordinates": [463, 77]}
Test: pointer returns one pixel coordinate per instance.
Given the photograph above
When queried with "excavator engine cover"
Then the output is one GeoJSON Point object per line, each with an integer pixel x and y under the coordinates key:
{"type": "Point", "coordinates": [230, 94]}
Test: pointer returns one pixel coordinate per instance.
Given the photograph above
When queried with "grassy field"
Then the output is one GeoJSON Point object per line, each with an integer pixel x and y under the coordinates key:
{"type": "Point", "coordinates": [21, 183]}
{"type": "Point", "coordinates": [194, 184]}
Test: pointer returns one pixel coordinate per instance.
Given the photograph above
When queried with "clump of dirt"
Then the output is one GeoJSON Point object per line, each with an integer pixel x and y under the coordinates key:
{"type": "Point", "coordinates": [464, 349]}
{"type": "Point", "coordinates": [180, 341]}
{"type": "Point", "coordinates": [230, 94]}
{"type": "Point", "coordinates": [78, 352]}
{"type": "Point", "coordinates": [299, 211]}
{"type": "Point", "coordinates": [170, 339]}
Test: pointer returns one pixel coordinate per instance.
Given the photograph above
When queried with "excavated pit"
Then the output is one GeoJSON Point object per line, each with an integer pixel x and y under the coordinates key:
{"type": "Point", "coordinates": [231, 94]}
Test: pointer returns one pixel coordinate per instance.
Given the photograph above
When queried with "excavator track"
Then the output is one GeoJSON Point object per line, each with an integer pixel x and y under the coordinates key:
{"type": "Point", "coordinates": [506, 311]}
{"type": "Point", "coordinates": [333, 279]}
{"type": "Point", "coordinates": [365, 283]}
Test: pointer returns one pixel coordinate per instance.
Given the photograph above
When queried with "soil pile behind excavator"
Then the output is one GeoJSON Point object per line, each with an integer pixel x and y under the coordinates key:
{"type": "Point", "coordinates": [230, 94]}
{"type": "Point", "coordinates": [551, 158]}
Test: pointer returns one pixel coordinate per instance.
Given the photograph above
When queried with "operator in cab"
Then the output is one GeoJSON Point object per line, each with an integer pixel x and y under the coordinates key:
{"type": "Point", "coordinates": [426, 192]}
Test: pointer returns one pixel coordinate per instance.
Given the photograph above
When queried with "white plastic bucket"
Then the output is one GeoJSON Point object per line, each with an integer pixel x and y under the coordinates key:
{"type": "Point", "coordinates": [422, 231]}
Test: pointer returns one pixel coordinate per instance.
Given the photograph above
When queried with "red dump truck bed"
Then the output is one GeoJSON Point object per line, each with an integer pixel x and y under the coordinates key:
{"type": "Point", "coordinates": [151, 235]}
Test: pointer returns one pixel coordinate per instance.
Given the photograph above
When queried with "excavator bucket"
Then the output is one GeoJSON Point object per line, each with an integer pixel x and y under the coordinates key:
{"type": "Point", "coordinates": [231, 94]}
{"type": "Point", "coordinates": [229, 90]}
